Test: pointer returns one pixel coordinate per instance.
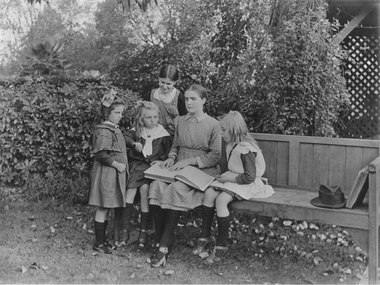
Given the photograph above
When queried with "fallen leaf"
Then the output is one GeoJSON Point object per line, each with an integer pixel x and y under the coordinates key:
{"type": "Point", "coordinates": [204, 254]}
{"type": "Point", "coordinates": [221, 274]}
{"type": "Point", "coordinates": [34, 266]}
{"type": "Point", "coordinates": [358, 258]}
{"type": "Point", "coordinates": [308, 255]}
{"type": "Point", "coordinates": [44, 267]}
{"type": "Point", "coordinates": [303, 253]}
{"type": "Point", "coordinates": [69, 218]}
{"type": "Point", "coordinates": [90, 231]}
{"type": "Point", "coordinates": [52, 229]}
{"type": "Point", "coordinates": [84, 227]}
{"type": "Point", "coordinates": [169, 272]}
{"type": "Point", "coordinates": [132, 275]}
{"type": "Point", "coordinates": [23, 269]}
{"type": "Point", "coordinates": [347, 271]}
{"type": "Point", "coordinates": [317, 260]}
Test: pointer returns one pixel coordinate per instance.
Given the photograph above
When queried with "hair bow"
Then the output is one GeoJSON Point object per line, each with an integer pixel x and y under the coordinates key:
{"type": "Point", "coordinates": [139, 103]}
{"type": "Point", "coordinates": [108, 98]}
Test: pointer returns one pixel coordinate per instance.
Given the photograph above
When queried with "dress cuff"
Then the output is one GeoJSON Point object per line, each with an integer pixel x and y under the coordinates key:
{"type": "Point", "coordinates": [199, 162]}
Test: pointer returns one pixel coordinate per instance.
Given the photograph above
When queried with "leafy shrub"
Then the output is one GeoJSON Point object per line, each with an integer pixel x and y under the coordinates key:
{"type": "Point", "coordinates": [70, 188]}
{"type": "Point", "coordinates": [46, 129]}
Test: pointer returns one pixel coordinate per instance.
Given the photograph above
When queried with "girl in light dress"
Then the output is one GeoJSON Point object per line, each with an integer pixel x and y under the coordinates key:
{"type": "Point", "coordinates": [169, 99]}
{"type": "Point", "coordinates": [242, 181]}
{"type": "Point", "coordinates": [148, 142]}
{"type": "Point", "coordinates": [109, 173]}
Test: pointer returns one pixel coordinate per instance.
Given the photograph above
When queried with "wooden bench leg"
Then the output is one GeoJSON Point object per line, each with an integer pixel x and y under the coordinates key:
{"type": "Point", "coordinates": [373, 254]}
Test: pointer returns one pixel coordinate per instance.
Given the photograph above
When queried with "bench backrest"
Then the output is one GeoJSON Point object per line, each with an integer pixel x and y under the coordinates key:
{"type": "Point", "coordinates": [307, 162]}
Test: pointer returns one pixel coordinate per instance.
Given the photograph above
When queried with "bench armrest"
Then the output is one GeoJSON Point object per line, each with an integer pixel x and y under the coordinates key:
{"type": "Point", "coordinates": [374, 166]}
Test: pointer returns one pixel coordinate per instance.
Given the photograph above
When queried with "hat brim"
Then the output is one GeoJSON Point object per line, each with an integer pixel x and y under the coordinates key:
{"type": "Point", "coordinates": [317, 202]}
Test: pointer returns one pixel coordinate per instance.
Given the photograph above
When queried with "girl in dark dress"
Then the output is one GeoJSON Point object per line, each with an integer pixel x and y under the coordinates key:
{"type": "Point", "coordinates": [148, 142]}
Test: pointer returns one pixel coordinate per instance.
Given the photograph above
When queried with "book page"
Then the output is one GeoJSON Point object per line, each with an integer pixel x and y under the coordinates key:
{"type": "Point", "coordinates": [155, 172]}
{"type": "Point", "coordinates": [194, 177]}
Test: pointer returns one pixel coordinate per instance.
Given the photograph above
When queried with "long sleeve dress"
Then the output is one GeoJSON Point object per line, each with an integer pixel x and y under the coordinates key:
{"type": "Point", "coordinates": [194, 138]}
{"type": "Point", "coordinates": [246, 163]}
{"type": "Point", "coordinates": [139, 162]}
{"type": "Point", "coordinates": [107, 184]}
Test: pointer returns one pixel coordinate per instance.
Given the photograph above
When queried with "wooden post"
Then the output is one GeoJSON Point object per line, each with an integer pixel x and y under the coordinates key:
{"type": "Point", "coordinates": [373, 222]}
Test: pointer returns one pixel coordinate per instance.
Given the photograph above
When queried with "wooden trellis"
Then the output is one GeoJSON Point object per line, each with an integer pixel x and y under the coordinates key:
{"type": "Point", "coordinates": [362, 74]}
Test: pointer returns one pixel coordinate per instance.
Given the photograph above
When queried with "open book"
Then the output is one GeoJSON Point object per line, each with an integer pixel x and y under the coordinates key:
{"type": "Point", "coordinates": [190, 175]}
{"type": "Point", "coordinates": [359, 189]}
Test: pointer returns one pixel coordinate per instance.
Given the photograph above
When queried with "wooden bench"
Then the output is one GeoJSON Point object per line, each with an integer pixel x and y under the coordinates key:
{"type": "Point", "coordinates": [297, 165]}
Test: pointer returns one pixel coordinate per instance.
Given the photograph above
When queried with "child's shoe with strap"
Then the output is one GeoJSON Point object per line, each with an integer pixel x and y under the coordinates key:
{"type": "Point", "coordinates": [202, 243]}
{"type": "Point", "coordinates": [217, 254]}
{"type": "Point", "coordinates": [123, 238]}
{"type": "Point", "coordinates": [159, 258]}
{"type": "Point", "coordinates": [102, 248]}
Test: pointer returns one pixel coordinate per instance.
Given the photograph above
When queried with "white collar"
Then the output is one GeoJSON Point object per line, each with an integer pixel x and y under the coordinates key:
{"type": "Point", "coordinates": [166, 98]}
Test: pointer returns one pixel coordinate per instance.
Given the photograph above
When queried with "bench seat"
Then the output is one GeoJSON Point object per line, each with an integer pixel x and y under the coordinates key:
{"type": "Point", "coordinates": [295, 204]}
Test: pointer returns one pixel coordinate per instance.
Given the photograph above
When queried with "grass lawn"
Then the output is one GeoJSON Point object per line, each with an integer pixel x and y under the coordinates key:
{"type": "Point", "coordinates": [47, 242]}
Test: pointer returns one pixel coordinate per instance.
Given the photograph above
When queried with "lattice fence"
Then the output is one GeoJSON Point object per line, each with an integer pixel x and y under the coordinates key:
{"type": "Point", "coordinates": [362, 74]}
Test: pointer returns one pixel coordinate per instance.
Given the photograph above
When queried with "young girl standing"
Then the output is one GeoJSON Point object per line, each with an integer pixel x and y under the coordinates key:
{"type": "Point", "coordinates": [169, 99]}
{"type": "Point", "coordinates": [109, 173]}
{"type": "Point", "coordinates": [242, 181]}
{"type": "Point", "coordinates": [148, 142]}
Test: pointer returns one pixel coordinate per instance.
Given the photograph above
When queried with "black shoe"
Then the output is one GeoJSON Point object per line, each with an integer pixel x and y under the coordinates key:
{"type": "Point", "coordinates": [123, 238]}
{"type": "Point", "coordinates": [102, 248]}
{"type": "Point", "coordinates": [143, 239]}
{"type": "Point", "coordinates": [159, 258]}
